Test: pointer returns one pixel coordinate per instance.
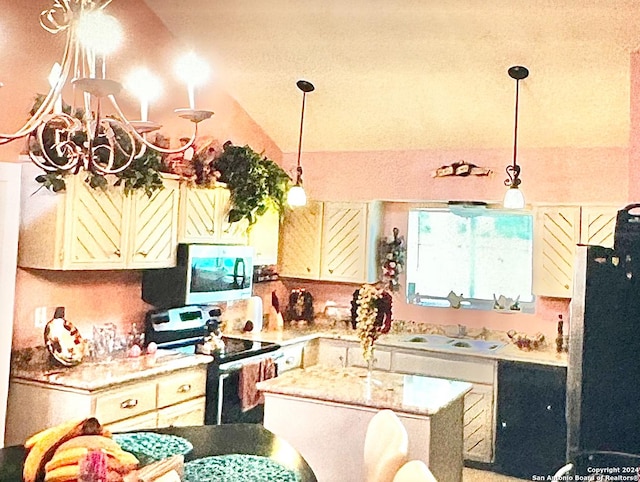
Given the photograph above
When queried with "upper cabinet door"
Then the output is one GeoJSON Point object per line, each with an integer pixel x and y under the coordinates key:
{"type": "Point", "coordinates": [154, 227]}
{"type": "Point", "coordinates": [229, 233]}
{"type": "Point", "coordinates": [598, 225]}
{"type": "Point", "coordinates": [263, 237]}
{"type": "Point", "coordinates": [197, 215]}
{"type": "Point", "coordinates": [556, 233]}
{"type": "Point", "coordinates": [300, 235]}
{"type": "Point", "coordinates": [96, 227]}
{"type": "Point", "coordinates": [344, 242]}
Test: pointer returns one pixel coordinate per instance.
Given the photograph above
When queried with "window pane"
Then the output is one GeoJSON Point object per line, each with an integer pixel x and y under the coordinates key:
{"type": "Point", "coordinates": [478, 254]}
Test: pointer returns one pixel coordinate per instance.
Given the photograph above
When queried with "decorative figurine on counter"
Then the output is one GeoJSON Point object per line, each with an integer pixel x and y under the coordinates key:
{"type": "Point", "coordinates": [300, 306]}
{"type": "Point", "coordinates": [392, 258]}
{"type": "Point", "coordinates": [455, 301]}
{"type": "Point", "coordinates": [370, 316]}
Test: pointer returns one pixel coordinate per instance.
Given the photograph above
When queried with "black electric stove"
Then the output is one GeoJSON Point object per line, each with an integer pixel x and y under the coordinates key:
{"type": "Point", "coordinates": [186, 329]}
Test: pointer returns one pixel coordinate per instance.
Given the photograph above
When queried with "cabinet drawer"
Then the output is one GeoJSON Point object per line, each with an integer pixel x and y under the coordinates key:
{"type": "Point", "coordinates": [181, 387]}
{"type": "Point", "coordinates": [291, 358]}
{"type": "Point", "coordinates": [127, 402]}
{"type": "Point", "coordinates": [381, 358]}
{"type": "Point", "coordinates": [141, 422]}
{"type": "Point", "coordinates": [183, 414]}
{"type": "Point", "coordinates": [477, 371]}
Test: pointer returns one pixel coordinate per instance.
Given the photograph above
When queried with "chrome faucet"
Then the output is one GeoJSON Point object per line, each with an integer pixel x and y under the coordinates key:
{"type": "Point", "coordinates": [462, 331]}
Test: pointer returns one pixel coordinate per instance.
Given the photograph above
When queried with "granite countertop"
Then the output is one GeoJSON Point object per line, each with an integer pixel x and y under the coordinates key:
{"type": "Point", "coordinates": [93, 376]}
{"type": "Point", "coordinates": [412, 394]}
{"type": "Point", "coordinates": [545, 355]}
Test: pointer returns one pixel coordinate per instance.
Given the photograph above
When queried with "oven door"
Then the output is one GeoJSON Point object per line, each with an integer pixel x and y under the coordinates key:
{"type": "Point", "coordinates": [224, 400]}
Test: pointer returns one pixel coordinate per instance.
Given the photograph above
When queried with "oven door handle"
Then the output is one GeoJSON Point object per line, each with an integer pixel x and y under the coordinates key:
{"type": "Point", "coordinates": [235, 366]}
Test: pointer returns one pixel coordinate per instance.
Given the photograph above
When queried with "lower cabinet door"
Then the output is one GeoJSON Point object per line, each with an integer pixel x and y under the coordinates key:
{"type": "Point", "coordinates": [478, 424]}
{"type": "Point", "coordinates": [531, 433]}
{"type": "Point", "coordinates": [183, 414]}
{"type": "Point", "coordinates": [145, 421]}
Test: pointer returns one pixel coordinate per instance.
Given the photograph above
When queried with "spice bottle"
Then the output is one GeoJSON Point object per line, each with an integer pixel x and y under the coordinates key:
{"type": "Point", "coordinates": [560, 337]}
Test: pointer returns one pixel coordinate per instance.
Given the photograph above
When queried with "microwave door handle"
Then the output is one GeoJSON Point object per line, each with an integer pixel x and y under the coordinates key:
{"type": "Point", "coordinates": [236, 267]}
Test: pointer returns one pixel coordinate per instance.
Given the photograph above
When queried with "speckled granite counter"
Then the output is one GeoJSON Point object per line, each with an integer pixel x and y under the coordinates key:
{"type": "Point", "coordinates": [97, 376]}
{"type": "Point", "coordinates": [325, 412]}
{"type": "Point", "coordinates": [402, 393]}
{"type": "Point", "coordinates": [545, 355]}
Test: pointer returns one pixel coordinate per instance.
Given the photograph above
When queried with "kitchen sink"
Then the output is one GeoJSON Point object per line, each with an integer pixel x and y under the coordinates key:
{"type": "Point", "coordinates": [450, 343]}
{"type": "Point", "coordinates": [477, 345]}
{"type": "Point", "coordinates": [430, 339]}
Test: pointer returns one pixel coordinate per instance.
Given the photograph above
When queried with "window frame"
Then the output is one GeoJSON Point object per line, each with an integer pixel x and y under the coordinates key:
{"type": "Point", "coordinates": [466, 303]}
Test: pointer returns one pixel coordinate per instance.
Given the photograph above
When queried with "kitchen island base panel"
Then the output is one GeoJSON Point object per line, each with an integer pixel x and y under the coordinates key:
{"type": "Point", "coordinates": [330, 436]}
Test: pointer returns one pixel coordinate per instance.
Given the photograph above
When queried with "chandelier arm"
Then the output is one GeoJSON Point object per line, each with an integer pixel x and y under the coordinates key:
{"type": "Point", "coordinates": [144, 141]}
{"type": "Point", "coordinates": [67, 148]}
{"type": "Point", "coordinates": [113, 144]}
{"type": "Point", "coordinates": [47, 104]}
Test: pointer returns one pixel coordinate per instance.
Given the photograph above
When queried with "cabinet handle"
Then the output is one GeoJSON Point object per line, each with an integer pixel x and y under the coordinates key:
{"type": "Point", "coordinates": [144, 254]}
{"type": "Point", "coordinates": [117, 253]}
{"type": "Point", "coordinates": [129, 403]}
{"type": "Point", "coordinates": [289, 361]}
{"type": "Point", "coordinates": [503, 424]}
{"type": "Point", "coordinates": [549, 407]}
{"type": "Point", "coordinates": [308, 270]}
{"type": "Point", "coordinates": [331, 271]}
{"type": "Point", "coordinates": [184, 388]}
{"type": "Point", "coordinates": [341, 358]}
{"type": "Point", "coordinates": [211, 231]}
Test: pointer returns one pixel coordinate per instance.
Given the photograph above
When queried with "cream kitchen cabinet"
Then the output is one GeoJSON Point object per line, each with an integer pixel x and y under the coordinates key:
{"type": "Point", "coordinates": [381, 357]}
{"type": "Point", "coordinates": [332, 353]}
{"type": "Point", "coordinates": [479, 403]}
{"type": "Point", "coordinates": [204, 217]}
{"type": "Point", "coordinates": [85, 228]}
{"type": "Point", "coordinates": [175, 398]}
{"type": "Point", "coordinates": [557, 231]}
{"type": "Point", "coordinates": [331, 241]}
{"type": "Point", "coordinates": [264, 236]}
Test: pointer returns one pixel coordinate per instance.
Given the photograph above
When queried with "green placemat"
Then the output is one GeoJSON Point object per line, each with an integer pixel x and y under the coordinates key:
{"type": "Point", "coordinates": [150, 447]}
{"type": "Point", "coordinates": [238, 467]}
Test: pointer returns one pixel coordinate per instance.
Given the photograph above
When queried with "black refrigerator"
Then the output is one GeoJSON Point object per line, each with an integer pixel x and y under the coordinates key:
{"type": "Point", "coordinates": [603, 376]}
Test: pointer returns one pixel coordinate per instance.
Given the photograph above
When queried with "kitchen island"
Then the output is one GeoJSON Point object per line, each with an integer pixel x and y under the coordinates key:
{"type": "Point", "coordinates": [324, 412]}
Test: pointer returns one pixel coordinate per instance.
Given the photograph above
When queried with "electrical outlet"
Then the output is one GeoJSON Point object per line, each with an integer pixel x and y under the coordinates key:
{"type": "Point", "coordinates": [40, 316]}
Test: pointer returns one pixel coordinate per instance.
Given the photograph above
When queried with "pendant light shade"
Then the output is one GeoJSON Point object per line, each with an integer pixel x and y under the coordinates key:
{"type": "Point", "coordinates": [513, 198]}
{"type": "Point", "coordinates": [297, 196]}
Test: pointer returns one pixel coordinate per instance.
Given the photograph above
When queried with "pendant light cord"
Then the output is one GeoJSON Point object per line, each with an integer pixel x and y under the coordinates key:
{"type": "Point", "coordinates": [299, 169]}
{"type": "Point", "coordinates": [515, 128]}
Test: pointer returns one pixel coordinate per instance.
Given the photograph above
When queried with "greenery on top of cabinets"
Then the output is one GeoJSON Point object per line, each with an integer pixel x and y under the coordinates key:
{"type": "Point", "coordinates": [143, 172]}
{"type": "Point", "coordinates": [254, 181]}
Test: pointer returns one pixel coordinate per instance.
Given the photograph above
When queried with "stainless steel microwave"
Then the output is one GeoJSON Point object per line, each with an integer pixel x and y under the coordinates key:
{"type": "Point", "coordinates": [204, 273]}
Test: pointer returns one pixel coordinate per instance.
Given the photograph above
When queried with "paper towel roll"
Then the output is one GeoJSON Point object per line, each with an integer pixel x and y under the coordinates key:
{"type": "Point", "coordinates": [254, 312]}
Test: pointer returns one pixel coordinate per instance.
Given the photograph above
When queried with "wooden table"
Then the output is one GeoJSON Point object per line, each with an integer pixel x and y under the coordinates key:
{"type": "Point", "coordinates": [207, 440]}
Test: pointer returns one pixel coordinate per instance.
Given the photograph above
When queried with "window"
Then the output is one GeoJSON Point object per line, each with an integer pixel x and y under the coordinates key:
{"type": "Point", "coordinates": [477, 252]}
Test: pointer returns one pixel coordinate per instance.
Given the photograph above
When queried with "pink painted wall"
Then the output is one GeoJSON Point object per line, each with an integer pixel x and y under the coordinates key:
{"type": "Point", "coordinates": [559, 175]}
{"type": "Point", "coordinates": [28, 52]}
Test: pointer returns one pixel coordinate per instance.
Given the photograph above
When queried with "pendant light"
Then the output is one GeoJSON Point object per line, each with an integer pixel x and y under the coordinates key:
{"type": "Point", "coordinates": [297, 196]}
{"type": "Point", "coordinates": [513, 198]}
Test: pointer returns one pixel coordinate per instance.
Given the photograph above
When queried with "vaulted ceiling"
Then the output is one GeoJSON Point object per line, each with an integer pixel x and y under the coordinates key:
{"type": "Point", "coordinates": [419, 74]}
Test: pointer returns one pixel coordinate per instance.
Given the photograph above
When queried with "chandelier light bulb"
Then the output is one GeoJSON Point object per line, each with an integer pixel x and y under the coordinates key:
{"type": "Point", "coordinates": [297, 196]}
{"type": "Point", "coordinates": [146, 87]}
{"type": "Point", "coordinates": [99, 32]}
{"type": "Point", "coordinates": [194, 71]}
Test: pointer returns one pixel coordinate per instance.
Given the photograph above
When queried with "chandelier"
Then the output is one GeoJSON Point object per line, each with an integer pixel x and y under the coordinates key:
{"type": "Point", "coordinates": [75, 137]}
